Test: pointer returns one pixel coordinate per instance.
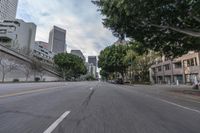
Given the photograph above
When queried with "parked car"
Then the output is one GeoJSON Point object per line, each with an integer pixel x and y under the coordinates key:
{"type": "Point", "coordinates": [119, 81]}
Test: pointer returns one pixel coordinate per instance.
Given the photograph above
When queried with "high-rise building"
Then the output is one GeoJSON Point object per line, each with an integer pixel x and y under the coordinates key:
{"type": "Point", "coordinates": [92, 70]}
{"type": "Point", "coordinates": [8, 9]}
{"type": "Point", "coordinates": [92, 60]}
{"type": "Point", "coordinates": [57, 40]}
{"type": "Point", "coordinates": [18, 35]}
{"type": "Point", "coordinates": [78, 53]}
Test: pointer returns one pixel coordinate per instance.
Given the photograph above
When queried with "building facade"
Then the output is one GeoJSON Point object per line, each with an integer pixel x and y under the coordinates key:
{"type": "Point", "coordinates": [57, 40]}
{"type": "Point", "coordinates": [91, 70]}
{"type": "Point", "coordinates": [79, 54]}
{"type": "Point", "coordinates": [18, 35]}
{"type": "Point", "coordinates": [182, 70]}
{"type": "Point", "coordinates": [40, 52]}
{"type": "Point", "coordinates": [8, 9]}
{"type": "Point", "coordinates": [92, 60]}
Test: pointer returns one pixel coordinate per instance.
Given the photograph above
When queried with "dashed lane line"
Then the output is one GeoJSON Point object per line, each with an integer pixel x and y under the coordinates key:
{"type": "Point", "coordinates": [56, 123]}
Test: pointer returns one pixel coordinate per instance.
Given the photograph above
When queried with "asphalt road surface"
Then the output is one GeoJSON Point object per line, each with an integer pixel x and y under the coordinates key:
{"type": "Point", "coordinates": [94, 107]}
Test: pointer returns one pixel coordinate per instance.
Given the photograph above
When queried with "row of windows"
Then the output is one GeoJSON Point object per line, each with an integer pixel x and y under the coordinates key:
{"type": "Point", "coordinates": [190, 62]}
{"type": "Point", "coordinates": [41, 54]}
{"type": "Point", "coordinates": [168, 67]}
{"type": "Point", "coordinates": [177, 65]}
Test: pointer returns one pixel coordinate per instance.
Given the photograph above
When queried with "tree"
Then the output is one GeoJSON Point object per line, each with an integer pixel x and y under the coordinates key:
{"type": "Point", "coordinates": [126, 58]}
{"type": "Point", "coordinates": [104, 74]}
{"type": "Point", "coordinates": [41, 74]}
{"type": "Point", "coordinates": [130, 60]}
{"type": "Point", "coordinates": [6, 66]}
{"type": "Point", "coordinates": [71, 66]}
{"type": "Point", "coordinates": [142, 63]}
{"type": "Point", "coordinates": [36, 66]}
{"type": "Point", "coordinates": [171, 27]}
{"type": "Point", "coordinates": [26, 70]}
{"type": "Point", "coordinates": [111, 60]}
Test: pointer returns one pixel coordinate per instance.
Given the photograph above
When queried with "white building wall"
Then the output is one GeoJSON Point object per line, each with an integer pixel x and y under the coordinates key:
{"type": "Point", "coordinates": [22, 35]}
{"type": "Point", "coordinates": [92, 70]}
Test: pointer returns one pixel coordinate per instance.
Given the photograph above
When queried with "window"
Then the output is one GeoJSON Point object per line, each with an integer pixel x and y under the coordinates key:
{"type": "Point", "coordinates": [177, 65]}
{"type": "Point", "coordinates": [192, 62]}
{"type": "Point", "coordinates": [159, 68]}
{"type": "Point", "coordinates": [167, 67]}
{"type": "Point", "coordinates": [154, 70]}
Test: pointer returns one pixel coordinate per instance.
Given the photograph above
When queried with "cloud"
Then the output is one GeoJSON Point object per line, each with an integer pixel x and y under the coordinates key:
{"type": "Point", "coordinates": [79, 17]}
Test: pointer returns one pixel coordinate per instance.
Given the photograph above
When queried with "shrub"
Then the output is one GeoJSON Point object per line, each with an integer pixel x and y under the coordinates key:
{"type": "Point", "coordinates": [37, 79]}
{"type": "Point", "coordinates": [90, 78]}
{"type": "Point", "coordinates": [15, 80]}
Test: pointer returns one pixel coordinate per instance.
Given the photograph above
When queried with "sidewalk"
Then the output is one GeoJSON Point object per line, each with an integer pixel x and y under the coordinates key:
{"type": "Point", "coordinates": [181, 90]}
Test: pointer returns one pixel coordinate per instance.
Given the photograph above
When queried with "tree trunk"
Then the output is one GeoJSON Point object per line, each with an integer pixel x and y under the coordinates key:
{"type": "Point", "coordinates": [27, 78]}
{"type": "Point", "coordinates": [3, 78]}
{"type": "Point", "coordinates": [3, 74]}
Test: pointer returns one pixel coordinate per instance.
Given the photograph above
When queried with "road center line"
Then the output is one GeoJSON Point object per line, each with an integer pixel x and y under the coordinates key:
{"type": "Point", "coordinates": [194, 110]}
{"type": "Point", "coordinates": [28, 92]}
{"type": "Point", "coordinates": [57, 122]}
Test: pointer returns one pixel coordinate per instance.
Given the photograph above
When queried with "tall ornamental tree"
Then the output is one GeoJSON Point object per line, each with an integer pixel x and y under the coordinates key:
{"type": "Point", "coordinates": [169, 26]}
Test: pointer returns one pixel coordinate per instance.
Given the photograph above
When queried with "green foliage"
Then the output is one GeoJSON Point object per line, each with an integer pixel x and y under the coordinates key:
{"type": "Point", "coordinates": [111, 60]}
{"type": "Point", "coordinates": [124, 58]}
{"type": "Point", "coordinates": [171, 27]}
{"type": "Point", "coordinates": [104, 74]}
{"type": "Point", "coordinates": [90, 78]}
{"type": "Point", "coordinates": [142, 63]}
{"type": "Point", "coordinates": [71, 66]}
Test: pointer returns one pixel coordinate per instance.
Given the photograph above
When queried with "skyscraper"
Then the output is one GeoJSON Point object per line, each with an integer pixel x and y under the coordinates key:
{"type": "Point", "coordinates": [92, 60]}
{"type": "Point", "coordinates": [79, 54]}
{"type": "Point", "coordinates": [8, 9]}
{"type": "Point", "coordinates": [57, 40]}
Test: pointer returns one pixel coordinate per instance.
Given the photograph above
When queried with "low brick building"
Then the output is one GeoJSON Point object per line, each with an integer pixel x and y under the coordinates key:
{"type": "Point", "coordinates": [183, 69]}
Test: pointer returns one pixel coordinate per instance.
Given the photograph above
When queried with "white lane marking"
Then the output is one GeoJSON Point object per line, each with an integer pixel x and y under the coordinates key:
{"type": "Point", "coordinates": [194, 110]}
{"type": "Point", "coordinates": [91, 88]}
{"type": "Point", "coordinates": [180, 106]}
{"type": "Point", "coordinates": [57, 122]}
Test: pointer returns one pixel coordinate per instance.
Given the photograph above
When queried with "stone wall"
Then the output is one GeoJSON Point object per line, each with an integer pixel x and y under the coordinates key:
{"type": "Point", "coordinates": [16, 68]}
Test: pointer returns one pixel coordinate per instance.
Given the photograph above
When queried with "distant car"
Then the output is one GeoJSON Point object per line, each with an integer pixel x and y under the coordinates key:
{"type": "Point", "coordinates": [119, 81]}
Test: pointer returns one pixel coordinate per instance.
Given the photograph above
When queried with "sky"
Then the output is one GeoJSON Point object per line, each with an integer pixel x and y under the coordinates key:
{"type": "Point", "coordinates": [80, 18]}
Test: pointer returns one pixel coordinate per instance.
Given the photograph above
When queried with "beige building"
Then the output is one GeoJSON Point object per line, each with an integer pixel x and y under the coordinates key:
{"type": "Point", "coordinates": [183, 69]}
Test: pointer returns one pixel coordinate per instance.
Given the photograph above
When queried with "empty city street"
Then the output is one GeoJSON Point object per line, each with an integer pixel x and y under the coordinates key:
{"type": "Point", "coordinates": [95, 107]}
